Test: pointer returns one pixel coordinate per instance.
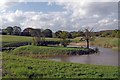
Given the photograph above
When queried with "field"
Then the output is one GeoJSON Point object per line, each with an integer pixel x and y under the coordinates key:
{"type": "Point", "coordinates": [16, 39]}
{"type": "Point", "coordinates": [8, 40]}
{"type": "Point", "coordinates": [23, 67]}
{"type": "Point", "coordinates": [11, 40]}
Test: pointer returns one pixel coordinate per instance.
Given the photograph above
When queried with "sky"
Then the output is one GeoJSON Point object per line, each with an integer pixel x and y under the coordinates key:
{"type": "Point", "coordinates": [69, 15]}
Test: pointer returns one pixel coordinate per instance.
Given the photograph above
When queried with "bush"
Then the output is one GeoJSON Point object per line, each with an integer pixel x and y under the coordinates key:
{"type": "Point", "coordinates": [16, 44]}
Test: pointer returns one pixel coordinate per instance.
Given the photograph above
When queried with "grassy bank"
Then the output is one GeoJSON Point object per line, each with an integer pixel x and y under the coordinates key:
{"type": "Point", "coordinates": [23, 67]}
{"type": "Point", "coordinates": [107, 42]}
{"type": "Point", "coordinates": [48, 50]}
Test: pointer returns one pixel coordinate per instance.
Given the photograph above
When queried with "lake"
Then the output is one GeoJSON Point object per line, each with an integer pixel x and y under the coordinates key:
{"type": "Point", "coordinates": [106, 56]}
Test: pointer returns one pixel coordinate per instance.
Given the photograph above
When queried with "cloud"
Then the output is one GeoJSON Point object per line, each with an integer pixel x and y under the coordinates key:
{"type": "Point", "coordinates": [77, 15]}
{"type": "Point", "coordinates": [84, 14]}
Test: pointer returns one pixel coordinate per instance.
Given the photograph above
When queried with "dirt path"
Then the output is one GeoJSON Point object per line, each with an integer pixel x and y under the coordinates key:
{"type": "Point", "coordinates": [79, 44]}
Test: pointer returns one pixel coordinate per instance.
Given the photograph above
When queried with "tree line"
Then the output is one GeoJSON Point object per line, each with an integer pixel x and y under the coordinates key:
{"type": "Point", "coordinates": [16, 30]}
{"type": "Point", "coordinates": [40, 34]}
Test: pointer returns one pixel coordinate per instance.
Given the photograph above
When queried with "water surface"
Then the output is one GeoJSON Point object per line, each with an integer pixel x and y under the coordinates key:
{"type": "Point", "coordinates": [105, 57]}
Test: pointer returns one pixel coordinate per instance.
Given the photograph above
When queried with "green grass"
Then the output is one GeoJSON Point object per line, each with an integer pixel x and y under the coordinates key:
{"type": "Point", "coordinates": [13, 39]}
{"type": "Point", "coordinates": [107, 42]}
{"type": "Point", "coordinates": [101, 41]}
{"type": "Point", "coordinates": [23, 67]}
{"type": "Point", "coordinates": [10, 39]}
{"type": "Point", "coordinates": [76, 40]}
{"type": "Point", "coordinates": [29, 49]}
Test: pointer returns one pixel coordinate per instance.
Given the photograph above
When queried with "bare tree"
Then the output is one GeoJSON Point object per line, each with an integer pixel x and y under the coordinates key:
{"type": "Point", "coordinates": [88, 35]}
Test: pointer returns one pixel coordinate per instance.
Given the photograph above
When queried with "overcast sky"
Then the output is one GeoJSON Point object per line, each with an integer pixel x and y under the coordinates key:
{"type": "Point", "coordinates": [60, 15]}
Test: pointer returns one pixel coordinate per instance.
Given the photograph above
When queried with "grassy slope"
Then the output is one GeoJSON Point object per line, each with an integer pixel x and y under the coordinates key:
{"type": "Point", "coordinates": [9, 38]}
{"type": "Point", "coordinates": [22, 67]}
{"type": "Point", "coordinates": [111, 42]}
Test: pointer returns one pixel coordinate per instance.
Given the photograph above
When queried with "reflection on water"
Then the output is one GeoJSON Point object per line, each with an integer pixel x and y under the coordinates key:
{"type": "Point", "coordinates": [106, 57]}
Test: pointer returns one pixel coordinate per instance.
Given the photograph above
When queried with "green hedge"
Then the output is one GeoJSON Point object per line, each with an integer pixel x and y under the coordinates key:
{"type": "Point", "coordinates": [17, 44]}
